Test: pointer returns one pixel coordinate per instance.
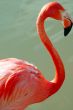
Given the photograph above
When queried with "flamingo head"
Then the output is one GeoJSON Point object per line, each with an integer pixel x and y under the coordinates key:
{"type": "Point", "coordinates": [56, 11]}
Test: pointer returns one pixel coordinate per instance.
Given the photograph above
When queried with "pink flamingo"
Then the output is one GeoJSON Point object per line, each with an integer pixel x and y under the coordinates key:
{"type": "Point", "coordinates": [21, 83]}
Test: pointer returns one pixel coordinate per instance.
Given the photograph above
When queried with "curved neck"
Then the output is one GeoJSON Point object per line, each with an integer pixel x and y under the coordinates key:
{"type": "Point", "coordinates": [60, 72]}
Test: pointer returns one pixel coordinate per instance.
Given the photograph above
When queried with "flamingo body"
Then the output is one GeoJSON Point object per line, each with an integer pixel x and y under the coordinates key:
{"type": "Point", "coordinates": [21, 83]}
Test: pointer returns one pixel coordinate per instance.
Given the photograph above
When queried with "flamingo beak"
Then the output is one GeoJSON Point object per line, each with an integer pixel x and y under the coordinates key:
{"type": "Point", "coordinates": [67, 22]}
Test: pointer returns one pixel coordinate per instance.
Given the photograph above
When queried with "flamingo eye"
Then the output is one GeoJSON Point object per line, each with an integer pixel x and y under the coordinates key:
{"type": "Point", "coordinates": [65, 14]}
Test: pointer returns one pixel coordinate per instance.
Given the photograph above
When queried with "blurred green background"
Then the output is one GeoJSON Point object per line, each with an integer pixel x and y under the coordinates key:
{"type": "Point", "coordinates": [18, 38]}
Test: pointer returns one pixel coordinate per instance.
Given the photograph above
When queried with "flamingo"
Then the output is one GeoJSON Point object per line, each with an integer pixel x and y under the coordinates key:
{"type": "Point", "coordinates": [21, 83]}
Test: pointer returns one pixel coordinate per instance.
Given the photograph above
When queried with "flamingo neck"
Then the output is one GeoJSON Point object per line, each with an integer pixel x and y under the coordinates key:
{"type": "Point", "coordinates": [56, 83]}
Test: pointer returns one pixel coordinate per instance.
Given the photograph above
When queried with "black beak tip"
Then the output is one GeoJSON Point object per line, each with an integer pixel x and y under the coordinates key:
{"type": "Point", "coordinates": [67, 30]}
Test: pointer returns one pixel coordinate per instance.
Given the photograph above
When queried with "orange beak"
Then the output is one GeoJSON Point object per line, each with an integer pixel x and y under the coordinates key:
{"type": "Point", "coordinates": [67, 22]}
